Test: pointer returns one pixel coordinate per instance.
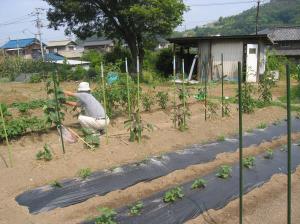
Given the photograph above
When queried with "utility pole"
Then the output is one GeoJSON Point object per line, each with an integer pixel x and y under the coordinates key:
{"type": "Point", "coordinates": [38, 12]}
{"type": "Point", "coordinates": [257, 16]}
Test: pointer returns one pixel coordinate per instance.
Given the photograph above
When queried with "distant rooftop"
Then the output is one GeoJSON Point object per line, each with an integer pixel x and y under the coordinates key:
{"type": "Point", "coordinates": [97, 42]}
{"type": "Point", "coordinates": [20, 43]}
{"type": "Point", "coordinates": [60, 43]}
{"type": "Point", "coordinates": [282, 33]}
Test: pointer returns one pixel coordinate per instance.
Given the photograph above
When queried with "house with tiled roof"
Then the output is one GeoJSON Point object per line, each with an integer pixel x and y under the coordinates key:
{"type": "Point", "coordinates": [67, 48]}
{"type": "Point", "coordinates": [286, 41]}
{"type": "Point", "coordinates": [28, 48]}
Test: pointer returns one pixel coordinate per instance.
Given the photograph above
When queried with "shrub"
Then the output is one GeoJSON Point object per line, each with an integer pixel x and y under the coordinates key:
{"type": "Point", "coordinates": [173, 194]}
{"type": "Point", "coordinates": [164, 62]}
{"type": "Point", "coordinates": [45, 155]}
{"type": "Point", "coordinates": [162, 99]}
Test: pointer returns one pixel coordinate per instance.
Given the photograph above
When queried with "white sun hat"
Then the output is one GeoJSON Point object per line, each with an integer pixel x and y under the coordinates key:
{"type": "Point", "coordinates": [84, 86]}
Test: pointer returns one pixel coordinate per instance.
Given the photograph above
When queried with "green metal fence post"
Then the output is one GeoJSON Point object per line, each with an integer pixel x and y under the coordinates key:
{"type": "Point", "coordinates": [240, 141]}
{"type": "Point", "coordinates": [138, 92]}
{"type": "Point", "coordinates": [222, 84]}
{"type": "Point", "coordinates": [289, 157]}
{"type": "Point", "coordinates": [6, 138]}
{"type": "Point", "coordinates": [174, 76]}
{"type": "Point", "coordinates": [54, 78]}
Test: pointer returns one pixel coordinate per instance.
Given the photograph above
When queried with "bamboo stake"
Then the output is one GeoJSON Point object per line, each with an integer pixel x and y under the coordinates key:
{"type": "Point", "coordinates": [241, 184]}
{"type": "Point", "coordinates": [138, 93]}
{"type": "Point", "coordinates": [104, 99]}
{"type": "Point", "coordinates": [6, 138]}
{"type": "Point", "coordinates": [174, 75]}
{"type": "Point", "coordinates": [54, 78]}
{"type": "Point", "coordinates": [128, 90]}
{"type": "Point", "coordinates": [183, 91]}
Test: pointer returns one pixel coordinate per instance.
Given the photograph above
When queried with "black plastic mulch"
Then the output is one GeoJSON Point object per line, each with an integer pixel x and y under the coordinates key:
{"type": "Point", "coordinates": [100, 183]}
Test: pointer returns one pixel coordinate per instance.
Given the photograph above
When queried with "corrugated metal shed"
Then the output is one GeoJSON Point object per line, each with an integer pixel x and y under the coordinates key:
{"type": "Point", "coordinates": [20, 43]}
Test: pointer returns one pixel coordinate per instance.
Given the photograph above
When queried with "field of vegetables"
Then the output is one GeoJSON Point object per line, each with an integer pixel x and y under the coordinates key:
{"type": "Point", "coordinates": [38, 162]}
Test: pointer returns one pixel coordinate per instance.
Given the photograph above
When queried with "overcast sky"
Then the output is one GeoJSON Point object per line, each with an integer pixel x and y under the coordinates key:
{"type": "Point", "coordinates": [16, 22]}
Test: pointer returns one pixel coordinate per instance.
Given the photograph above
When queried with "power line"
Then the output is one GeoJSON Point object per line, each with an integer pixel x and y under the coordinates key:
{"type": "Point", "coordinates": [221, 3]}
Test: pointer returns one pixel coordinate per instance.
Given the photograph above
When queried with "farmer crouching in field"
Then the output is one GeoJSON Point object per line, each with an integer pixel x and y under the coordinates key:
{"type": "Point", "coordinates": [94, 114]}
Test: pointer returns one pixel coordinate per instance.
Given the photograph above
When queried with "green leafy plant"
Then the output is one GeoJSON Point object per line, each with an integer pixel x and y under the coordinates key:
{"type": "Point", "coordinates": [173, 194]}
{"type": "Point", "coordinates": [91, 138]}
{"type": "Point", "coordinates": [226, 108]}
{"type": "Point", "coordinates": [265, 86]}
{"type": "Point", "coordinates": [136, 208]}
{"type": "Point", "coordinates": [84, 173]}
{"type": "Point", "coordinates": [56, 184]}
{"type": "Point", "coordinates": [162, 99]}
{"type": "Point", "coordinates": [107, 216]}
{"type": "Point", "coordinates": [200, 96]}
{"type": "Point", "coordinates": [269, 154]}
{"type": "Point", "coordinates": [181, 112]}
{"type": "Point", "coordinates": [224, 172]}
{"type": "Point", "coordinates": [5, 110]}
{"type": "Point", "coordinates": [50, 110]}
{"type": "Point", "coordinates": [24, 107]}
{"type": "Point", "coordinates": [199, 183]}
{"type": "Point", "coordinates": [249, 162]}
{"type": "Point", "coordinates": [147, 101]}
{"type": "Point", "coordinates": [136, 126]}
{"type": "Point", "coordinates": [262, 126]}
{"type": "Point", "coordinates": [45, 154]}
{"type": "Point", "coordinates": [248, 103]}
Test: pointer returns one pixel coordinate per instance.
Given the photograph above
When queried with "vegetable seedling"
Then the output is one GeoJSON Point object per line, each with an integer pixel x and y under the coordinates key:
{"type": "Point", "coordinates": [84, 173]}
{"type": "Point", "coordinates": [262, 126]}
{"type": "Point", "coordinates": [136, 208]}
{"type": "Point", "coordinates": [269, 154]}
{"type": "Point", "coordinates": [107, 216]}
{"type": "Point", "coordinates": [221, 138]}
{"type": "Point", "coordinates": [199, 183]}
{"type": "Point", "coordinates": [45, 155]}
{"type": "Point", "coordinates": [249, 162]}
{"type": "Point", "coordinates": [173, 194]}
{"type": "Point", "coordinates": [224, 172]}
{"type": "Point", "coordinates": [56, 184]}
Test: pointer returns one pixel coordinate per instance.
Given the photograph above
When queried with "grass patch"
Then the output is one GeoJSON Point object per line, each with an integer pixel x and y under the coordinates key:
{"type": "Point", "coordinates": [84, 173]}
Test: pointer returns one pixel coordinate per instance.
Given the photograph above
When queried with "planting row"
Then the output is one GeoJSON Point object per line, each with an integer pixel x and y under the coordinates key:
{"type": "Point", "coordinates": [213, 191]}
{"type": "Point", "coordinates": [100, 183]}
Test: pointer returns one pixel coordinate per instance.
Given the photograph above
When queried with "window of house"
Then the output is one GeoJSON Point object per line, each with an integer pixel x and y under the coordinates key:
{"type": "Point", "coordinates": [252, 50]}
{"type": "Point", "coordinates": [285, 44]}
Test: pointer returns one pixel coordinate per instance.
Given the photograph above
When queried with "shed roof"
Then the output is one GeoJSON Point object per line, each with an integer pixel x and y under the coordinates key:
{"type": "Point", "coordinates": [20, 43]}
{"type": "Point", "coordinates": [60, 43]}
{"type": "Point", "coordinates": [53, 57]}
{"type": "Point", "coordinates": [283, 33]}
{"type": "Point", "coordinates": [193, 41]}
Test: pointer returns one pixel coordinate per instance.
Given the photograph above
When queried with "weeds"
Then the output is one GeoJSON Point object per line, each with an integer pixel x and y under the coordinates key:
{"type": "Point", "coordinates": [84, 173]}
{"type": "Point", "coordinates": [199, 183]}
{"type": "Point", "coordinates": [249, 162]}
{"type": "Point", "coordinates": [224, 172]}
{"type": "Point", "coordinates": [45, 155]}
{"type": "Point", "coordinates": [136, 208]}
{"type": "Point", "coordinates": [107, 216]}
{"type": "Point", "coordinates": [173, 194]}
{"type": "Point", "coordinates": [162, 99]}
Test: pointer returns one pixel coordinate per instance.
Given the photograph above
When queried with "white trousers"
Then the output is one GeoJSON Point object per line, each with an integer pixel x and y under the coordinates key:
{"type": "Point", "coordinates": [93, 123]}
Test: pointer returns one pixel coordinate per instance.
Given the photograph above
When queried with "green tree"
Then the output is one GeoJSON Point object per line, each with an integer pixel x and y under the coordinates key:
{"type": "Point", "coordinates": [135, 21]}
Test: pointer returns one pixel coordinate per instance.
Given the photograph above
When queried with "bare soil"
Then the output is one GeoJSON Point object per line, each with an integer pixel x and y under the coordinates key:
{"type": "Point", "coordinates": [28, 173]}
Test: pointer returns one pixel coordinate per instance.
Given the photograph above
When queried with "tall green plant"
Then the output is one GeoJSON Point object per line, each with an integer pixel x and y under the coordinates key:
{"type": "Point", "coordinates": [265, 86]}
{"type": "Point", "coordinates": [248, 102]}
